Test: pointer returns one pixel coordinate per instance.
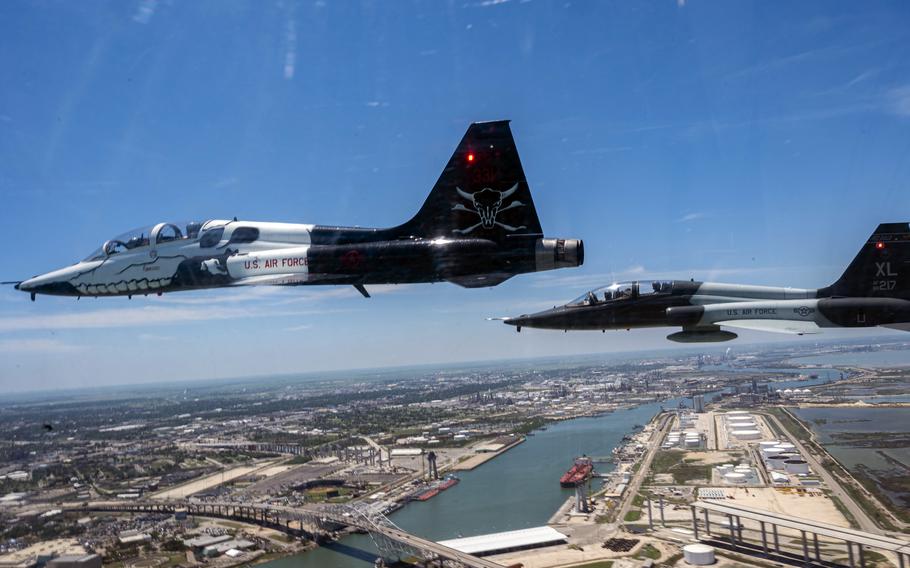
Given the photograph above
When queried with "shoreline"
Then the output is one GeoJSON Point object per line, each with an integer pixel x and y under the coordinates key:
{"type": "Point", "coordinates": [478, 460]}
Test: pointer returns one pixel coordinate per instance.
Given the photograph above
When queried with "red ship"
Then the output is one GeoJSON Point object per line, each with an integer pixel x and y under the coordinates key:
{"type": "Point", "coordinates": [437, 488]}
{"type": "Point", "coordinates": [428, 494]}
{"type": "Point", "coordinates": [578, 474]}
{"type": "Point", "coordinates": [449, 482]}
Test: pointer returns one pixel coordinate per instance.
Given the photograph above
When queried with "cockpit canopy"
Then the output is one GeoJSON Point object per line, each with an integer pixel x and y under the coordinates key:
{"type": "Point", "coordinates": [157, 234]}
{"type": "Point", "coordinates": [623, 291]}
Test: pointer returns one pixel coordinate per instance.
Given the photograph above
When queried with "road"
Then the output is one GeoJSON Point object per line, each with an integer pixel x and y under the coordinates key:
{"type": "Point", "coordinates": [310, 514]}
{"type": "Point", "coordinates": [384, 455]}
{"type": "Point", "coordinates": [864, 521]}
{"type": "Point", "coordinates": [635, 483]}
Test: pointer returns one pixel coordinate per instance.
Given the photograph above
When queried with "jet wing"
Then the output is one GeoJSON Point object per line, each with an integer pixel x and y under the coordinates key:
{"type": "Point", "coordinates": [272, 280]}
{"type": "Point", "coordinates": [898, 326]}
{"type": "Point", "coordinates": [774, 326]}
{"type": "Point", "coordinates": [287, 280]}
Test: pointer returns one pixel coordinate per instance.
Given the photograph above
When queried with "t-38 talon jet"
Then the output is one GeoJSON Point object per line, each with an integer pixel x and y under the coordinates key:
{"type": "Point", "coordinates": [478, 227]}
{"type": "Point", "coordinates": [874, 291]}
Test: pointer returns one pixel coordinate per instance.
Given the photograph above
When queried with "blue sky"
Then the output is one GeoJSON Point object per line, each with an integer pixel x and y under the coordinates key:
{"type": "Point", "coordinates": [736, 141]}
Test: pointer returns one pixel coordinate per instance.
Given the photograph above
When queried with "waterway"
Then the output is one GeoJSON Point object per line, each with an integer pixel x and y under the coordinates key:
{"type": "Point", "coordinates": [516, 490]}
{"type": "Point", "coordinates": [823, 375]}
{"type": "Point", "coordinates": [875, 455]}
{"type": "Point", "coordinates": [864, 359]}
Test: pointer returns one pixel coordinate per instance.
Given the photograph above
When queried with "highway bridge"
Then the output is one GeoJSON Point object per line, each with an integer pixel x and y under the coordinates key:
{"type": "Point", "coordinates": [313, 522]}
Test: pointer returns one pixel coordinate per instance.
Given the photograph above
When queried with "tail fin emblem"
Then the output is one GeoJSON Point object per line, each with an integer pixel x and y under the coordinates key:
{"type": "Point", "coordinates": [487, 205]}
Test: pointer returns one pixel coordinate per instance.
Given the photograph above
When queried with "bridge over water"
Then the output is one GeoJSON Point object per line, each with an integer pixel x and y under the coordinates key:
{"type": "Point", "coordinates": [313, 522]}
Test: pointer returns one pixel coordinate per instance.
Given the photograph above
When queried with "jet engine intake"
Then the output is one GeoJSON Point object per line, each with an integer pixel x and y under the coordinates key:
{"type": "Point", "coordinates": [685, 316]}
{"type": "Point", "coordinates": [559, 253]}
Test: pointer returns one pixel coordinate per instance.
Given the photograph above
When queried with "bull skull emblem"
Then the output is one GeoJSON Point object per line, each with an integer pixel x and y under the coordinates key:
{"type": "Point", "coordinates": [487, 205]}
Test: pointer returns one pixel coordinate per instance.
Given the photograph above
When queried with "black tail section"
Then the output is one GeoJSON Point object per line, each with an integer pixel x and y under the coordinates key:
{"type": "Point", "coordinates": [882, 267]}
{"type": "Point", "coordinates": [481, 193]}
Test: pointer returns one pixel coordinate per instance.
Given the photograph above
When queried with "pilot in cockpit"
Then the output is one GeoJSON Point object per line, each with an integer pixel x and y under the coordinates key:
{"type": "Point", "coordinates": [192, 229]}
{"type": "Point", "coordinates": [136, 242]}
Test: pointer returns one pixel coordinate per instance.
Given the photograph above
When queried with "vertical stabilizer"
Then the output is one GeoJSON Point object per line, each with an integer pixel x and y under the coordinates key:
{"type": "Point", "coordinates": [481, 193]}
{"type": "Point", "coordinates": [881, 269]}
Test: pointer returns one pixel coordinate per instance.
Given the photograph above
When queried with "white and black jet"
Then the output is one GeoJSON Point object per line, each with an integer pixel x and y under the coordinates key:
{"type": "Point", "coordinates": [873, 291]}
{"type": "Point", "coordinates": [478, 227]}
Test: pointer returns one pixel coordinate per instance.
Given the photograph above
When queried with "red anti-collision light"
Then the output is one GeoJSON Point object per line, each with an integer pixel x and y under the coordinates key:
{"type": "Point", "coordinates": [470, 157]}
{"type": "Point", "coordinates": [879, 245]}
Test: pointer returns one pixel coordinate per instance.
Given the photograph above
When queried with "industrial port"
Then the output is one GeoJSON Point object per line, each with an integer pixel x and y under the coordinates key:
{"type": "Point", "coordinates": [684, 460]}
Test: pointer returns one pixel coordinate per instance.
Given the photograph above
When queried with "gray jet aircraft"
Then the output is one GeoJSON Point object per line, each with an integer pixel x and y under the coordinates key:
{"type": "Point", "coordinates": [873, 291]}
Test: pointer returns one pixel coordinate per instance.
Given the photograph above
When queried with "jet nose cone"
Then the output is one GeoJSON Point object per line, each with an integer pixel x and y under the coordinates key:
{"type": "Point", "coordinates": [55, 283]}
{"type": "Point", "coordinates": [516, 321]}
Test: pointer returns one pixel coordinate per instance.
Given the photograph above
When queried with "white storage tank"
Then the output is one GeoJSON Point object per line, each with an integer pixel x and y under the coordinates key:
{"type": "Point", "coordinates": [796, 466]}
{"type": "Point", "coordinates": [698, 554]}
{"type": "Point", "coordinates": [735, 477]}
{"type": "Point", "coordinates": [746, 434]}
{"type": "Point", "coordinates": [769, 443]}
{"type": "Point", "coordinates": [725, 468]}
{"type": "Point", "coordinates": [737, 412]}
{"type": "Point", "coordinates": [786, 445]}
{"type": "Point", "coordinates": [776, 461]}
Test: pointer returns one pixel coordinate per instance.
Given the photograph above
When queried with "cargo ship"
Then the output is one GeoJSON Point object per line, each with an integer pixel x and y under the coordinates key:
{"type": "Point", "coordinates": [436, 488]}
{"type": "Point", "coordinates": [449, 482]}
{"type": "Point", "coordinates": [579, 473]}
{"type": "Point", "coordinates": [427, 495]}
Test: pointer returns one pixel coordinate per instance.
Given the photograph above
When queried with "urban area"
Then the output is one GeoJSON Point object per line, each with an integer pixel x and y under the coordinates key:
{"type": "Point", "coordinates": [751, 456]}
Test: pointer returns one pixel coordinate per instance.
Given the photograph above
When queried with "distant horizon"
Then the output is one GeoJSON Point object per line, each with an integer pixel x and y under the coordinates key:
{"type": "Point", "coordinates": [616, 356]}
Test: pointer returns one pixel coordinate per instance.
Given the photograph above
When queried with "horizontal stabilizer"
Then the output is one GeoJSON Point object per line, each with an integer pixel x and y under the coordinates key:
{"type": "Point", "coordinates": [774, 326]}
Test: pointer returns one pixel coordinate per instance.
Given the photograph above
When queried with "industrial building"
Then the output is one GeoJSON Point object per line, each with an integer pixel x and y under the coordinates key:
{"type": "Point", "coordinates": [509, 541]}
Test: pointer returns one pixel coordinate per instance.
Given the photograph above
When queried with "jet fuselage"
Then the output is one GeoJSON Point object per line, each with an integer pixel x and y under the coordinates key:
{"type": "Point", "coordinates": [477, 227]}
{"type": "Point", "coordinates": [873, 291]}
{"type": "Point", "coordinates": [227, 253]}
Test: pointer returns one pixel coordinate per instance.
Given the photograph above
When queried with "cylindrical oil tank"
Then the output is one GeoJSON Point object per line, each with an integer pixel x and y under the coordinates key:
{"type": "Point", "coordinates": [698, 554]}
{"type": "Point", "coordinates": [746, 434]}
{"type": "Point", "coordinates": [735, 477]}
{"type": "Point", "coordinates": [776, 461]}
{"type": "Point", "coordinates": [796, 466]}
{"type": "Point", "coordinates": [732, 423]}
